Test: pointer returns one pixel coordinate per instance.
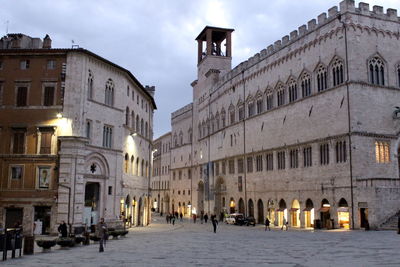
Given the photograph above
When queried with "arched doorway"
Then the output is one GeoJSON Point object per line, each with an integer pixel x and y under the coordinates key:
{"type": "Point", "coordinates": [220, 191]}
{"type": "Point", "coordinates": [232, 205]}
{"type": "Point", "coordinates": [282, 212]}
{"type": "Point", "coordinates": [241, 206]}
{"type": "Point", "coordinates": [325, 214]}
{"type": "Point", "coordinates": [271, 211]}
{"type": "Point", "coordinates": [295, 213]}
{"type": "Point", "coordinates": [128, 211]}
{"type": "Point", "coordinates": [343, 214]}
{"type": "Point", "coordinates": [260, 211]}
{"type": "Point", "coordinates": [140, 212]}
{"type": "Point", "coordinates": [162, 206]}
{"type": "Point", "coordinates": [251, 208]}
{"type": "Point", "coordinates": [309, 214]}
{"type": "Point", "coordinates": [173, 207]}
{"type": "Point", "coordinates": [92, 209]}
{"type": "Point", "coordinates": [200, 198]}
{"type": "Point", "coordinates": [166, 204]}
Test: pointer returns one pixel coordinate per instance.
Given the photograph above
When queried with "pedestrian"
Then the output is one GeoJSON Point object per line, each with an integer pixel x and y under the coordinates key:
{"type": "Point", "coordinates": [201, 218]}
{"type": "Point", "coordinates": [62, 229]}
{"type": "Point", "coordinates": [181, 215]}
{"type": "Point", "coordinates": [214, 222]}
{"type": "Point", "coordinates": [194, 218]}
{"type": "Point", "coordinates": [173, 219]}
{"type": "Point", "coordinates": [205, 218]}
{"type": "Point", "coordinates": [176, 214]}
{"type": "Point", "coordinates": [285, 224]}
{"type": "Point", "coordinates": [267, 224]}
{"type": "Point", "coordinates": [161, 214]}
{"type": "Point", "coordinates": [101, 229]}
{"type": "Point", "coordinates": [221, 216]}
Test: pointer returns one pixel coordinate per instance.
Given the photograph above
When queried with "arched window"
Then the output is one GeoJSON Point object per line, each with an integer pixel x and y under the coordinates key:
{"type": "Point", "coordinates": [141, 126]}
{"type": "Point", "coordinates": [90, 85]}
{"type": "Point", "coordinates": [137, 124]}
{"type": "Point", "coordinates": [241, 111]}
{"type": "Point", "coordinates": [281, 95]}
{"type": "Point", "coordinates": [260, 105]}
{"type": "Point", "coordinates": [146, 130]}
{"type": "Point", "coordinates": [200, 135]}
{"type": "Point", "coordinates": [251, 109]}
{"type": "Point", "coordinates": [231, 114]}
{"type": "Point", "coordinates": [142, 168]}
{"type": "Point", "coordinates": [137, 166]}
{"type": "Point", "coordinates": [223, 118]}
{"type": "Point", "coordinates": [337, 72]}
{"type": "Point", "coordinates": [181, 138]}
{"type": "Point", "coordinates": [322, 83]}
{"type": "Point", "coordinates": [190, 135]}
{"type": "Point", "coordinates": [204, 127]}
{"type": "Point", "coordinates": [217, 124]}
{"type": "Point", "coordinates": [133, 120]}
{"type": "Point", "coordinates": [292, 90]}
{"type": "Point", "coordinates": [212, 124]}
{"type": "Point", "coordinates": [109, 93]}
{"type": "Point", "coordinates": [305, 82]}
{"type": "Point", "coordinates": [175, 140]}
{"type": "Point", "coordinates": [126, 163]}
{"type": "Point", "coordinates": [376, 71]}
{"type": "Point", "coordinates": [127, 116]}
{"type": "Point", "coordinates": [132, 164]}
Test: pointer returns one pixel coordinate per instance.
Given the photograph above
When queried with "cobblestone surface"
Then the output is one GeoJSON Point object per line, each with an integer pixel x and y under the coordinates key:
{"type": "Point", "coordinates": [188, 244]}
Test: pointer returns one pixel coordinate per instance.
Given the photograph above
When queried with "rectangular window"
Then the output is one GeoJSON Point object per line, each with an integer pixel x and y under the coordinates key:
{"type": "Point", "coordinates": [48, 96]}
{"type": "Point", "coordinates": [88, 129]}
{"type": "Point", "coordinates": [294, 158]}
{"type": "Point", "coordinates": [341, 153]}
{"type": "Point", "coordinates": [51, 64]}
{"type": "Point", "coordinates": [324, 154]}
{"type": "Point", "coordinates": [249, 164]}
{"type": "Point", "coordinates": [44, 177]}
{"type": "Point", "coordinates": [217, 168]}
{"type": "Point", "coordinates": [241, 113]}
{"type": "Point", "coordinates": [240, 165]}
{"type": "Point", "coordinates": [270, 161]}
{"type": "Point", "coordinates": [107, 136]}
{"type": "Point", "coordinates": [232, 116]}
{"type": "Point", "coordinates": [281, 97]}
{"type": "Point", "coordinates": [240, 184]}
{"type": "Point", "coordinates": [251, 109]}
{"type": "Point", "coordinates": [22, 95]}
{"type": "Point", "coordinates": [189, 174]}
{"type": "Point", "coordinates": [19, 141]}
{"type": "Point", "coordinates": [24, 64]}
{"type": "Point", "coordinates": [231, 164]}
{"type": "Point", "coordinates": [281, 160]}
{"type": "Point", "coordinates": [270, 102]}
{"type": "Point", "coordinates": [180, 175]}
{"type": "Point", "coordinates": [173, 175]}
{"type": "Point", "coordinates": [382, 151]}
{"type": "Point", "coordinates": [259, 106]}
{"type": "Point", "coordinates": [16, 172]}
{"type": "Point", "coordinates": [307, 156]}
{"type": "Point", "coordinates": [224, 167]}
{"type": "Point", "coordinates": [259, 163]}
{"type": "Point", "coordinates": [45, 140]}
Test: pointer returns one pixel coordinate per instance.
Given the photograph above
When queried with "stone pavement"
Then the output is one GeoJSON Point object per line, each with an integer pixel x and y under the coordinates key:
{"type": "Point", "coordinates": [188, 244]}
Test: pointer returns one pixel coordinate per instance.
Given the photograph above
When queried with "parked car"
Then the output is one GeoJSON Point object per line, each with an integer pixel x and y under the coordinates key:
{"type": "Point", "coordinates": [250, 221]}
{"type": "Point", "coordinates": [231, 219]}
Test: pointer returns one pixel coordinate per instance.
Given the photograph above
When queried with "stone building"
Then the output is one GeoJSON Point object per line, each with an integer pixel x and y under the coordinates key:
{"type": "Point", "coordinates": [76, 134]}
{"type": "Point", "coordinates": [305, 130]}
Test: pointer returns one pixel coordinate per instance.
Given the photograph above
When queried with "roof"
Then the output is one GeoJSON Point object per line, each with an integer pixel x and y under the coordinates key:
{"type": "Point", "coordinates": [84, 51]}
{"type": "Point", "coordinates": [215, 29]}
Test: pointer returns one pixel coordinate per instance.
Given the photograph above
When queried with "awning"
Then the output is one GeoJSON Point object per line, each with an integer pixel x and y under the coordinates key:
{"type": "Point", "coordinates": [343, 209]}
{"type": "Point", "coordinates": [324, 209]}
{"type": "Point", "coordinates": [308, 209]}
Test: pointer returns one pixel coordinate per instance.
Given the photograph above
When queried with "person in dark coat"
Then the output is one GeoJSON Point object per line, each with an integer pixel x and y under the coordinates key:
{"type": "Point", "coordinates": [63, 229]}
{"type": "Point", "coordinates": [214, 222]}
{"type": "Point", "coordinates": [102, 233]}
{"type": "Point", "coordinates": [267, 222]}
{"type": "Point", "coordinates": [181, 215]}
{"type": "Point", "coordinates": [205, 218]}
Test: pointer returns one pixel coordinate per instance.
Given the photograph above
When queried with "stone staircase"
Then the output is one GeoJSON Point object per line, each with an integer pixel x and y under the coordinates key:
{"type": "Point", "coordinates": [391, 223]}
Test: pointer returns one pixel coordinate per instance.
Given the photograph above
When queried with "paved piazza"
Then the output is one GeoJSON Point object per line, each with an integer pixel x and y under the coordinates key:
{"type": "Point", "coordinates": [186, 244]}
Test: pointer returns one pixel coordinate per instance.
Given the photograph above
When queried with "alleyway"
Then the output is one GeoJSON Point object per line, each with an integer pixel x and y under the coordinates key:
{"type": "Point", "coordinates": [186, 244]}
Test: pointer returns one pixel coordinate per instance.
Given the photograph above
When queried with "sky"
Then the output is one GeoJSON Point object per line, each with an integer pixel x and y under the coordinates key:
{"type": "Point", "coordinates": [155, 39]}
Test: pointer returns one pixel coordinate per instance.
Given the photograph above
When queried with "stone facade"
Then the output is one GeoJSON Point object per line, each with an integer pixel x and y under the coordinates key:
{"type": "Point", "coordinates": [304, 130]}
{"type": "Point", "coordinates": [100, 156]}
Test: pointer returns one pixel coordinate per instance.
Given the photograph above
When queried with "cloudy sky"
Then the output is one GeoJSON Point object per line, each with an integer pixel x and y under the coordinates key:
{"type": "Point", "coordinates": [154, 39]}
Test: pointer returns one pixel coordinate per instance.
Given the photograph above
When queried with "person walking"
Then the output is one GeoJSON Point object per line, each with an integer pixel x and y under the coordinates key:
{"type": "Point", "coordinates": [173, 219]}
{"type": "Point", "coordinates": [101, 233]}
{"type": "Point", "coordinates": [167, 218]}
{"type": "Point", "coordinates": [62, 229]}
{"type": "Point", "coordinates": [181, 215]}
{"type": "Point", "coordinates": [267, 222]}
{"type": "Point", "coordinates": [284, 224]}
{"type": "Point", "coordinates": [205, 218]}
{"type": "Point", "coordinates": [214, 222]}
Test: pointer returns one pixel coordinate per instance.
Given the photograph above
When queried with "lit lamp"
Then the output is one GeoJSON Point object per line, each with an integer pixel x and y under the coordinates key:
{"type": "Point", "coordinates": [232, 204]}
{"type": "Point", "coordinates": [59, 115]}
{"type": "Point", "coordinates": [133, 134]}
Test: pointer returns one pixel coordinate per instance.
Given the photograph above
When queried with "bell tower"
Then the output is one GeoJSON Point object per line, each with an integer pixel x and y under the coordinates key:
{"type": "Point", "coordinates": [214, 51]}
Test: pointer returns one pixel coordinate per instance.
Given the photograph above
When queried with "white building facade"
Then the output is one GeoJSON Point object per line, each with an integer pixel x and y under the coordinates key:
{"type": "Point", "coordinates": [306, 130]}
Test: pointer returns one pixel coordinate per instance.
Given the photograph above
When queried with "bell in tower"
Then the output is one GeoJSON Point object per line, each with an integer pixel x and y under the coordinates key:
{"type": "Point", "coordinates": [214, 50]}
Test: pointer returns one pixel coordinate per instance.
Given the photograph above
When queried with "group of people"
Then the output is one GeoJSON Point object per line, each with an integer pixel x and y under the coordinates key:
{"type": "Point", "coordinates": [171, 217]}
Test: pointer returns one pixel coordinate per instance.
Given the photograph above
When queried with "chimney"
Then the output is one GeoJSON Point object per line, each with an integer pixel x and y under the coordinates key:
{"type": "Point", "coordinates": [47, 42]}
{"type": "Point", "coordinates": [150, 89]}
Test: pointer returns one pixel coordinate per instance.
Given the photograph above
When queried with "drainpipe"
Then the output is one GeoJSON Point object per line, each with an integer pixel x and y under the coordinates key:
{"type": "Point", "coordinates": [244, 145]}
{"type": "Point", "coordinates": [209, 151]}
{"type": "Point", "coordinates": [349, 121]}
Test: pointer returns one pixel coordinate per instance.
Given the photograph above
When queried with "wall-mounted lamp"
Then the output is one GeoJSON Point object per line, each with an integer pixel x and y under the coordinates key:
{"type": "Point", "coordinates": [59, 115]}
{"type": "Point", "coordinates": [133, 134]}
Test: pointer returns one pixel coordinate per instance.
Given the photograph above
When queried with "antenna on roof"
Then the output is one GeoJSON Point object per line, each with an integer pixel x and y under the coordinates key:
{"type": "Point", "coordinates": [74, 45]}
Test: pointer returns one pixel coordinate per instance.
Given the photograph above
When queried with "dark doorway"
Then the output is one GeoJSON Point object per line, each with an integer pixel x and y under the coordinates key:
{"type": "Point", "coordinates": [260, 211]}
{"type": "Point", "coordinates": [363, 217]}
{"type": "Point", "coordinates": [251, 208]}
{"type": "Point", "coordinates": [241, 206]}
{"type": "Point", "coordinates": [42, 218]}
{"type": "Point", "coordinates": [13, 216]}
{"type": "Point", "coordinates": [140, 212]}
{"type": "Point", "coordinates": [92, 195]}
